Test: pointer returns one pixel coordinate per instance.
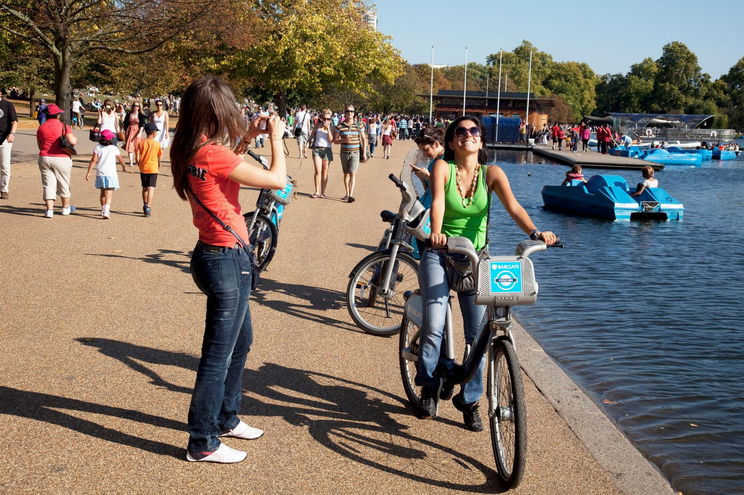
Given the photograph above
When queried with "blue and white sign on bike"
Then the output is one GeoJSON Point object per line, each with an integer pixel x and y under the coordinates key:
{"type": "Point", "coordinates": [506, 277]}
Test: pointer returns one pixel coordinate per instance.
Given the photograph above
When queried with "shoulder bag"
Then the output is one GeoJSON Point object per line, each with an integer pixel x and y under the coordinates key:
{"type": "Point", "coordinates": [65, 144]}
{"type": "Point", "coordinates": [255, 272]}
{"type": "Point", "coordinates": [94, 134]}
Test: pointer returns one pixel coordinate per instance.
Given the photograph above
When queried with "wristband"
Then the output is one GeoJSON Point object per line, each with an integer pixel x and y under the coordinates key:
{"type": "Point", "coordinates": [535, 235]}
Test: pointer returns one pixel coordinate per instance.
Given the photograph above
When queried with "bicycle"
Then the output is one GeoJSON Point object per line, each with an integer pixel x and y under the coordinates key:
{"type": "Point", "coordinates": [502, 282]}
{"type": "Point", "coordinates": [374, 295]}
{"type": "Point", "coordinates": [263, 223]}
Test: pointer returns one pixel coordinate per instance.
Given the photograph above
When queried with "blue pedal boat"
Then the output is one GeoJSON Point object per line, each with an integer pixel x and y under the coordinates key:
{"type": "Point", "coordinates": [608, 196]}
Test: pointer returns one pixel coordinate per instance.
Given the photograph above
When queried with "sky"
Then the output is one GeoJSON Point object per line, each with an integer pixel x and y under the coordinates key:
{"type": "Point", "coordinates": [609, 36]}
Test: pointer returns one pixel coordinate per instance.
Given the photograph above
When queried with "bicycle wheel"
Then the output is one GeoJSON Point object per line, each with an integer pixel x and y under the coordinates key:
{"type": "Point", "coordinates": [263, 238]}
{"type": "Point", "coordinates": [408, 349]}
{"type": "Point", "coordinates": [507, 412]}
{"type": "Point", "coordinates": [372, 311]}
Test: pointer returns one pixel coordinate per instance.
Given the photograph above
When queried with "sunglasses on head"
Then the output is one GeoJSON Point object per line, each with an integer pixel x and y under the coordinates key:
{"type": "Point", "coordinates": [463, 131]}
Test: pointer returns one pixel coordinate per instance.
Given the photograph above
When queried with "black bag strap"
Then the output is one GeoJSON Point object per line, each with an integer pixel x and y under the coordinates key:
{"type": "Point", "coordinates": [225, 226]}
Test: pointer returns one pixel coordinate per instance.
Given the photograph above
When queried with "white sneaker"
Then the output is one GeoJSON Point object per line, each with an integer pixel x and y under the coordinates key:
{"type": "Point", "coordinates": [105, 212]}
{"type": "Point", "coordinates": [223, 455]}
{"type": "Point", "coordinates": [68, 210]}
{"type": "Point", "coordinates": [49, 214]}
{"type": "Point", "coordinates": [244, 431]}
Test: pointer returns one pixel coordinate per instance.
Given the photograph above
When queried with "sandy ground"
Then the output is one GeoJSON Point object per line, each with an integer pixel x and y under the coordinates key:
{"type": "Point", "coordinates": [101, 331]}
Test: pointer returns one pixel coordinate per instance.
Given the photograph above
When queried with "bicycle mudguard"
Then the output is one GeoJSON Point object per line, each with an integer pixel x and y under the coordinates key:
{"type": "Point", "coordinates": [414, 309]}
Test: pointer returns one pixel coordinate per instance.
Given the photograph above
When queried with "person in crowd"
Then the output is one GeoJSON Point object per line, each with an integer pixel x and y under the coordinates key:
{"type": "Point", "coordinates": [78, 112]}
{"type": "Point", "coordinates": [160, 118]}
{"type": "Point", "coordinates": [104, 158]}
{"type": "Point", "coordinates": [403, 128]}
{"type": "Point", "coordinates": [625, 140]}
{"type": "Point", "coordinates": [148, 159]}
{"type": "Point", "coordinates": [387, 133]}
{"type": "Point", "coordinates": [8, 126]}
{"type": "Point", "coordinates": [321, 140]}
{"type": "Point", "coordinates": [302, 130]}
{"type": "Point", "coordinates": [575, 138]}
{"type": "Point", "coordinates": [108, 120]}
{"type": "Point", "coordinates": [561, 137]}
{"type": "Point", "coordinates": [523, 132]}
{"type": "Point", "coordinates": [585, 133]}
{"type": "Point", "coordinates": [430, 141]}
{"type": "Point", "coordinates": [649, 181]}
{"type": "Point", "coordinates": [373, 127]}
{"type": "Point", "coordinates": [120, 114]}
{"type": "Point", "coordinates": [461, 190]}
{"type": "Point", "coordinates": [554, 132]}
{"type": "Point", "coordinates": [41, 114]}
{"type": "Point", "coordinates": [353, 139]}
{"type": "Point", "coordinates": [208, 173]}
{"type": "Point", "coordinates": [55, 164]}
{"type": "Point", "coordinates": [134, 122]}
{"type": "Point", "coordinates": [574, 174]}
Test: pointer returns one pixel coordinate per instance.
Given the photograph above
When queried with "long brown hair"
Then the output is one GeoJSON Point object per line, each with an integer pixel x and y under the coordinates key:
{"type": "Point", "coordinates": [208, 110]}
{"type": "Point", "coordinates": [449, 135]}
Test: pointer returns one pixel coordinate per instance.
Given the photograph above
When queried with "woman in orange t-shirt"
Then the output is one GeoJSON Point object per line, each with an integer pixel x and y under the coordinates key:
{"type": "Point", "coordinates": [205, 167]}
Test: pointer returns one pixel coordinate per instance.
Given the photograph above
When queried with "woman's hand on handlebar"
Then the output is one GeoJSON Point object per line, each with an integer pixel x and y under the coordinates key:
{"type": "Point", "coordinates": [548, 237]}
{"type": "Point", "coordinates": [438, 241]}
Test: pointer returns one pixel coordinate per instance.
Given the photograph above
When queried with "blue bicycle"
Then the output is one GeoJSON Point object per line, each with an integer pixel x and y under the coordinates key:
{"type": "Point", "coordinates": [263, 222]}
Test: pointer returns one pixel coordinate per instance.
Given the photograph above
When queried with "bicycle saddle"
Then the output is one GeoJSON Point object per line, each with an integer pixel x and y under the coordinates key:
{"type": "Point", "coordinates": [387, 216]}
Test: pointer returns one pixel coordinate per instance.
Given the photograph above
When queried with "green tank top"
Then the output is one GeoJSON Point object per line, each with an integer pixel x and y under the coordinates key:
{"type": "Point", "coordinates": [470, 221]}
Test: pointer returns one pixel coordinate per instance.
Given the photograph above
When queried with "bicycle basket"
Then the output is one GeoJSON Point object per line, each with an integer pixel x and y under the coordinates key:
{"type": "Point", "coordinates": [506, 281]}
{"type": "Point", "coordinates": [420, 228]}
{"type": "Point", "coordinates": [283, 196]}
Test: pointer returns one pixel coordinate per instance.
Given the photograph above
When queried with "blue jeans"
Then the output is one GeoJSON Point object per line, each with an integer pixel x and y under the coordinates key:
{"type": "Point", "coordinates": [435, 294]}
{"type": "Point", "coordinates": [224, 274]}
{"type": "Point", "coordinates": [372, 144]}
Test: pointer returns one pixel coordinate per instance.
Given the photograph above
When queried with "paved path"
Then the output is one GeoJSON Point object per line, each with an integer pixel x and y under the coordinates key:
{"type": "Point", "coordinates": [101, 328]}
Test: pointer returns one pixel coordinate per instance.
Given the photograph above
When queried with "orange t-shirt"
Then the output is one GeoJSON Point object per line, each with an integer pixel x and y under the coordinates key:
{"type": "Point", "coordinates": [148, 155]}
{"type": "Point", "coordinates": [208, 177]}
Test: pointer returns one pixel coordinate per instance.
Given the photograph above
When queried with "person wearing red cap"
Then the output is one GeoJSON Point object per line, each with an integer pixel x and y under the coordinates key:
{"type": "Point", "coordinates": [55, 163]}
{"type": "Point", "coordinates": [105, 156]}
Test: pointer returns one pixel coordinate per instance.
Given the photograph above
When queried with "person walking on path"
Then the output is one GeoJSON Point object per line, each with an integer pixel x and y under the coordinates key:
{"type": "Point", "coordinates": [461, 187]}
{"type": "Point", "coordinates": [108, 120]}
{"type": "Point", "coordinates": [350, 134]}
{"type": "Point", "coordinates": [160, 118]}
{"type": "Point", "coordinates": [209, 174]}
{"type": "Point", "coordinates": [104, 158]}
{"type": "Point", "coordinates": [302, 130]}
{"type": "Point", "coordinates": [388, 134]}
{"type": "Point", "coordinates": [8, 126]}
{"type": "Point", "coordinates": [41, 114]}
{"type": "Point", "coordinates": [148, 159]}
{"type": "Point", "coordinates": [321, 140]}
{"type": "Point", "coordinates": [55, 164]}
{"type": "Point", "coordinates": [77, 112]}
{"type": "Point", "coordinates": [134, 122]}
{"type": "Point", "coordinates": [373, 127]}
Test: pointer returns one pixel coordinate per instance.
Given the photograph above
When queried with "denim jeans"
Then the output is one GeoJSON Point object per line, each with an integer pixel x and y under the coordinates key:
{"type": "Point", "coordinates": [372, 144]}
{"type": "Point", "coordinates": [435, 294]}
{"type": "Point", "coordinates": [224, 274]}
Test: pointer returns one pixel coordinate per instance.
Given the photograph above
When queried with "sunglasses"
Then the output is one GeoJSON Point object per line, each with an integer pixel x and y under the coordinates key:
{"type": "Point", "coordinates": [348, 111]}
{"type": "Point", "coordinates": [326, 118]}
{"type": "Point", "coordinates": [159, 104]}
{"type": "Point", "coordinates": [463, 131]}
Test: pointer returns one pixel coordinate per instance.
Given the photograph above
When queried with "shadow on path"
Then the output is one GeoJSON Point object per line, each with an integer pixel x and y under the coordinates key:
{"type": "Point", "coordinates": [161, 257]}
{"type": "Point", "coordinates": [349, 418]}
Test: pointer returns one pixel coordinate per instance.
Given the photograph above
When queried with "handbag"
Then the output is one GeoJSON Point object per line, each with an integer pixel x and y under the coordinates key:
{"type": "Point", "coordinates": [255, 272]}
{"type": "Point", "coordinates": [94, 134]}
{"type": "Point", "coordinates": [121, 136]}
{"type": "Point", "coordinates": [65, 144]}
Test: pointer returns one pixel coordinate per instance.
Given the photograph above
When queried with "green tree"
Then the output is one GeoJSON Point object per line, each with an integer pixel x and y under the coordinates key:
{"type": "Point", "coordinates": [313, 47]}
{"type": "Point", "coordinates": [677, 82]}
{"type": "Point", "coordinates": [68, 30]}
{"type": "Point", "coordinates": [575, 83]}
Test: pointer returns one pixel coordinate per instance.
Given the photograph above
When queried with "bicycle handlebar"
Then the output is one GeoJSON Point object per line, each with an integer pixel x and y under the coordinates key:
{"type": "Point", "coordinates": [260, 159]}
{"type": "Point", "coordinates": [464, 246]}
{"type": "Point", "coordinates": [397, 182]}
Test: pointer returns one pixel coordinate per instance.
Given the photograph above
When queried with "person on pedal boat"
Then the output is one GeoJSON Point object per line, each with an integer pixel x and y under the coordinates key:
{"type": "Point", "coordinates": [461, 186]}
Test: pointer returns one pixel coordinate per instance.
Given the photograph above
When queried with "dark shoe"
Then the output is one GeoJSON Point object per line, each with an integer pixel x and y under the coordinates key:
{"type": "Point", "coordinates": [429, 403]}
{"type": "Point", "coordinates": [350, 200]}
{"type": "Point", "coordinates": [3, 195]}
{"type": "Point", "coordinates": [448, 388]}
{"type": "Point", "coordinates": [470, 415]}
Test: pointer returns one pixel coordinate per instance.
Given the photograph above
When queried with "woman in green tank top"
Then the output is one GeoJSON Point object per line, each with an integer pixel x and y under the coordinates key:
{"type": "Point", "coordinates": [461, 188]}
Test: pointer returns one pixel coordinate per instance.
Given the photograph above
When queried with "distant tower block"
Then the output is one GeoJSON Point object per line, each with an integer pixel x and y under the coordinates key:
{"type": "Point", "coordinates": [370, 19]}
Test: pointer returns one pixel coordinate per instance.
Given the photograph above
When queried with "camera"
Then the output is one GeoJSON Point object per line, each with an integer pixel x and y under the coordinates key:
{"type": "Point", "coordinates": [264, 117]}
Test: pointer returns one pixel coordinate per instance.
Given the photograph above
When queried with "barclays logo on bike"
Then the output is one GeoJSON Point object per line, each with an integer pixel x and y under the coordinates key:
{"type": "Point", "coordinates": [506, 277]}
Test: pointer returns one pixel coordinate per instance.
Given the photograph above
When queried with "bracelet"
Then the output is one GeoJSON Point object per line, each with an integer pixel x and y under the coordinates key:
{"type": "Point", "coordinates": [535, 235]}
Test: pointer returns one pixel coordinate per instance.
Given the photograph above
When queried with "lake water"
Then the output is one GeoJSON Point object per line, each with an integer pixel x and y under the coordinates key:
{"type": "Point", "coordinates": [647, 317]}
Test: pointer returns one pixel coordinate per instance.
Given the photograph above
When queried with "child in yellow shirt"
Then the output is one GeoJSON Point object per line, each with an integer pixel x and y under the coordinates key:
{"type": "Point", "coordinates": [149, 153]}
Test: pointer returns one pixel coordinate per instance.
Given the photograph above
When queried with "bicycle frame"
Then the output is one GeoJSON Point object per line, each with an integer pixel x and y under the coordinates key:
{"type": "Point", "coordinates": [270, 202]}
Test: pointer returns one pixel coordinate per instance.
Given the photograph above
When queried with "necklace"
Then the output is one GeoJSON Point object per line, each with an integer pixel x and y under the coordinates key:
{"type": "Point", "coordinates": [467, 197]}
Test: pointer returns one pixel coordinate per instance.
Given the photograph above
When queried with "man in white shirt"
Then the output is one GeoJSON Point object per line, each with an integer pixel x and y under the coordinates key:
{"type": "Point", "coordinates": [302, 130]}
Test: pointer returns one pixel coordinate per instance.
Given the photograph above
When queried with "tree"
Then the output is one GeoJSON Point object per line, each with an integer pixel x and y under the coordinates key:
{"type": "Point", "coordinates": [575, 83]}
{"type": "Point", "coordinates": [68, 30]}
{"type": "Point", "coordinates": [22, 65]}
{"type": "Point", "coordinates": [677, 82]}
{"type": "Point", "coordinates": [313, 47]}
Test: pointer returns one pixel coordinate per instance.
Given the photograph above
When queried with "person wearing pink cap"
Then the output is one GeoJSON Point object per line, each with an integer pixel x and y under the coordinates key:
{"type": "Point", "coordinates": [55, 163]}
{"type": "Point", "coordinates": [104, 158]}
